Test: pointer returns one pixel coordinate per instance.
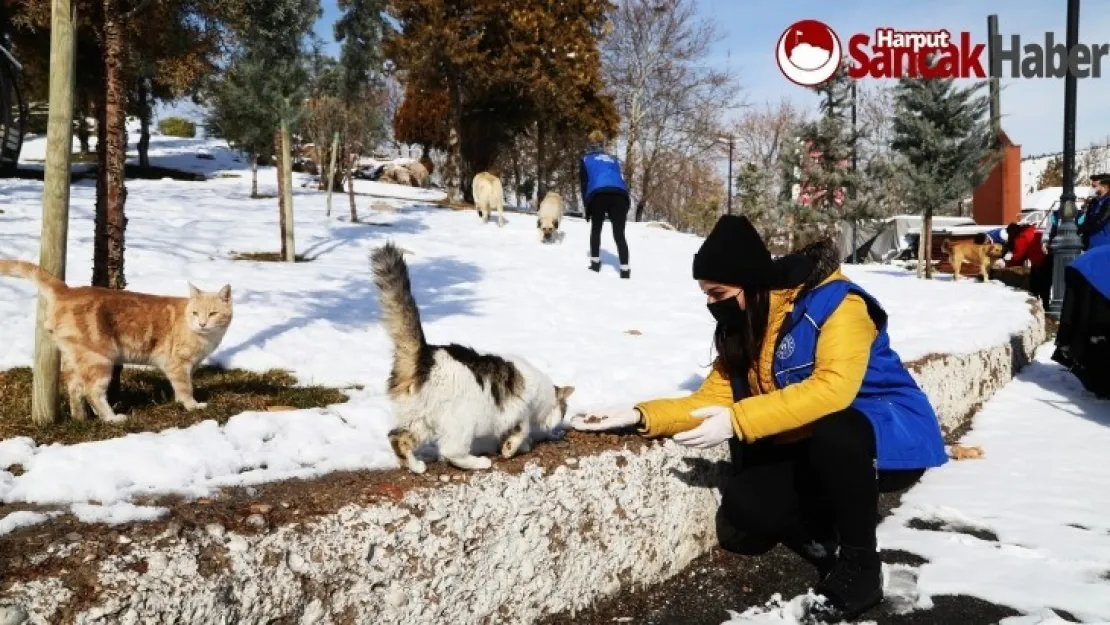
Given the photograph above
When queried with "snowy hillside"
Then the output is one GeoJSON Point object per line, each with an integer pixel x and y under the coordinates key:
{"type": "Point", "coordinates": [497, 289]}
{"type": "Point", "coordinates": [1092, 160]}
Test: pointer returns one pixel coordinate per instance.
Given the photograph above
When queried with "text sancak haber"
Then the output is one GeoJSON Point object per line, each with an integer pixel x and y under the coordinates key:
{"type": "Point", "coordinates": [934, 54]}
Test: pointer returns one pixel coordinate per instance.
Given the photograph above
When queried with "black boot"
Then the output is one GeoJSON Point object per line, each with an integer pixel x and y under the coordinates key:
{"type": "Point", "coordinates": [821, 554]}
{"type": "Point", "coordinates": [595, 266]}
{"type": "Point", "coordinates": [626, 273]}
{"type": "Point", "coordinates": [854, 586]}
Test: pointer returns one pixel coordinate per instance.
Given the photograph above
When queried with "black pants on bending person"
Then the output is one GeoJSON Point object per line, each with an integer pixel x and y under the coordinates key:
{"type": "Point", "coordinates": [615, 206]}
{"type": "Point", "coordinates": [822, 490]}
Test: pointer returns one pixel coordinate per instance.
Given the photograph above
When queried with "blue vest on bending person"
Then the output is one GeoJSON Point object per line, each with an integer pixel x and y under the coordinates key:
{"type": "Point", "coordinates": [907, 433]}
{"type": "Point", "coordinates": [603, 173]}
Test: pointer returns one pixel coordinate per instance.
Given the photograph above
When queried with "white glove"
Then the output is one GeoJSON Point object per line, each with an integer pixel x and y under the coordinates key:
{"type": "Point", "coordinates": [714, 430]}
{"type": "Point", "coordinates": [607, 419]}
{"type": "Point", "coordinates": [999, 264]}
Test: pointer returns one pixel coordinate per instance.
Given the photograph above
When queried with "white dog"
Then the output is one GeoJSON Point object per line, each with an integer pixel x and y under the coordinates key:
{"type": "Point", "coordinates": [488, 196]}
{"type": "Point", "coordinates": [550, 214]}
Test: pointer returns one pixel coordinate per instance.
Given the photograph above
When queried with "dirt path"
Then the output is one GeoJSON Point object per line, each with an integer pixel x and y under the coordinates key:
{"type": "Point", "coordinates": [719, 581]}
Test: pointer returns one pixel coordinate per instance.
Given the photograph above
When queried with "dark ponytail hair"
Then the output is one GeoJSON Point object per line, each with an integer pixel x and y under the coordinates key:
{"type": "Point", "coordinates": [738, 349]}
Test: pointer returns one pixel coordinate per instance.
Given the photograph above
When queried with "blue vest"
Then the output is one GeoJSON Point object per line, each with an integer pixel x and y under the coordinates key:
{"type": "Point", "coordinates": [603, 172]}
{"type": "Point", "coordinates": [1094, 266]}
{"type": "Point", "coordinates": [1097, 211]}
{"type": "Point", "coordinates": [907, 433]}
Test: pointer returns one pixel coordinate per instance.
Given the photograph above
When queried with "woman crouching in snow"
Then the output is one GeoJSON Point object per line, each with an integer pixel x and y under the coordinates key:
{"type": "Point", "coordinates": [817, 409]}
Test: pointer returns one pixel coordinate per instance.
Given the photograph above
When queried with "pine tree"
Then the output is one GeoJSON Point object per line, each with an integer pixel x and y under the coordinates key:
{"type": "Point", "coordinates": [821, 161]}
{"type": "Point", "coordinates": [943, 134]}
{"type": "Point", "coordinates": [360, 30]}
{"type": "Point", "coordinates": [755, 195]}
{"type": "Point", "coordinates": [240, 111]}
{"type": "Point", "coordinates": [1053, 174]}
{"type": "Point", "coordinates": [273, 36]}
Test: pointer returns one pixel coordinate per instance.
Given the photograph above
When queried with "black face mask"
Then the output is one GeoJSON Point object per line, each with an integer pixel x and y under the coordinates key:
{"type": "Point", "coordinates": [728, 313]}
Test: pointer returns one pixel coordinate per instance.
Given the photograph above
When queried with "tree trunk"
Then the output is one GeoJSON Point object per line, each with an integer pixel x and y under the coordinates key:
{"type": "Point", "coordinates": [541, 166]}
{"type": "Point", "coordinates": [108, 248]}
{"type": "Point", "coordinates": [641, 203]}
{"type": "Point", "coordinates": [145, 113]}
{"type": "Point", "coordinates": [630, 153]}
{"type": "Point", "coordinates": [287, 241]}
{"type": "Point", "coordinates": [83, 130]}
{"type": "Point", "coordinates": [351, 188]}
{"type": "Point", "coordinates": [279, 165]}
{"type": "Point", "coordinates": [45, 408]}
{"type": "Point", "coordinates": [331, 170]}
{"type": "Point", "coordinates": [928, 227]}
{"type": "Point", "coordinates": [254, 176]}
{"type": "Point", "coordinates": [452, 174]}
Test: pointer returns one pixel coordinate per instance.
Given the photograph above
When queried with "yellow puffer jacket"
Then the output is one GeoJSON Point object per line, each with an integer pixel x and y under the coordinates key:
{"type": "Point", "coordinates": [843, 350]}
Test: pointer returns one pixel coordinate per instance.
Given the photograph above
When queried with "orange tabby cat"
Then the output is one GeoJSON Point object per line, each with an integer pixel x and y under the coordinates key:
{"type": "Point", "coordinates": [96, 329]}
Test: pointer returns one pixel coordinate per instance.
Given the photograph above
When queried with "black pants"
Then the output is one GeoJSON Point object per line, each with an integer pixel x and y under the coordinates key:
{"type": "Point", "coordinates": [615, 206]}
{"type": "Point", "coordinates": [1083, 338]}
{"type": "Point", "coordinates": [1040, 280]}
{"type": "Point", "coordinates": [823, 488]}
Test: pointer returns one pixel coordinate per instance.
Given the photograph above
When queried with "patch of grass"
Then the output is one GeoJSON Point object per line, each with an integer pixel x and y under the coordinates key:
{"type": "Point", "coordinates": [266, 257]}
{"type": "Point", "coordinates": [146, 397]}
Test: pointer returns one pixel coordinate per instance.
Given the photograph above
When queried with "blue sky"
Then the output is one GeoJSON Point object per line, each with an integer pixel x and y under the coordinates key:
{"type": "Point", "coordinates": [1032, 109]}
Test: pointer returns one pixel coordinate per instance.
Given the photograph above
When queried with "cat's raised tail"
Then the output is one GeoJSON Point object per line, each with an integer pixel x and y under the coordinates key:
{"type": "Point", "coordinates": [400, 316]}
{"type": "Point", "coordinates": [47, 284]}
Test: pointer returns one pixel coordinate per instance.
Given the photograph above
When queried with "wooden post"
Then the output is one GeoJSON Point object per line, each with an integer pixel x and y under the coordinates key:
{"type": "Point", "coordinates": [331, 170]}
{"type": "Point", "coordinates": [286, 174]}
{"type": "Point", "coordinates": [55, 202]}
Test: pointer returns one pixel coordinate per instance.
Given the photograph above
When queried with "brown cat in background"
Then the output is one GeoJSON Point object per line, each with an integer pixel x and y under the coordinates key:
{"type": "Point", "coordinates": [96, 329]}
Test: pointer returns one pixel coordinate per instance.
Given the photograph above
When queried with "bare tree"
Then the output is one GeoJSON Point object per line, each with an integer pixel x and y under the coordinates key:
{"type": "Point", "coordinates": [655, 61]}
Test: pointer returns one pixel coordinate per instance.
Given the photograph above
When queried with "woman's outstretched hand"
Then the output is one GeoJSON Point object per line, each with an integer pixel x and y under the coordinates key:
{"type": "Point", "coordinates": [715, 428]}
{"type": "Point", "coordinates": [607, 419]}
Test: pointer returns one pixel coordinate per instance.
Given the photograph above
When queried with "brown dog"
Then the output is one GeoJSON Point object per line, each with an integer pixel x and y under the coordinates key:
{"type": "Point", "coordinates": [979, 251]}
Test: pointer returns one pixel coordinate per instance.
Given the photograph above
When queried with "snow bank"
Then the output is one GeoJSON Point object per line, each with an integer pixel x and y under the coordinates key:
{"type": "Point", "coordinates": [1028, 526]}
{"type": "Point", "coordinates": [498, 546]}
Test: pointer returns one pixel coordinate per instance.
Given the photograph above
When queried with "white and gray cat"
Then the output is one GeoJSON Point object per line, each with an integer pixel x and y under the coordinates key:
{"type": "Point", "coordinates": [451, 393]}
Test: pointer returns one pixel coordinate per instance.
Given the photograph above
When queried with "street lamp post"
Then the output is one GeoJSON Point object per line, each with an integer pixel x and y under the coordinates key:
{"type": "Point", "coordinates": [1066, 244]}
{"type": "Point", "coordinates": [730, 142]}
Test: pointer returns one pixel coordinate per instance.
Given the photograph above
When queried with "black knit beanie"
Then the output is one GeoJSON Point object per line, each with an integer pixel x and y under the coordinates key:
{"type": "Point", "coordinates": [734, 254]}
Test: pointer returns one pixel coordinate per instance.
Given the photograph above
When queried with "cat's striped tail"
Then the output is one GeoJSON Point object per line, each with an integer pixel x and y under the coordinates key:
{"type": "Point", "coordinates": [401, 318]}
{"type": "Point", "coordinates": [47, 284]}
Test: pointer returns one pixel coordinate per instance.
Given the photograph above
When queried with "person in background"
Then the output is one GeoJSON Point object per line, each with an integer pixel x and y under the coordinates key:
{"type": "Point", "coordinates": [1025, 243]}
{"type": "Point", "coordinates": [818, 411]}
{"type": "Point", "coordinates": [604, 194]}
{"type": "Point", "coordinates": [1095, 229]}
{"type": "Point", "coordinates": [1080, 211]}
{"type": "Point", "coordinates": [1083, 337]}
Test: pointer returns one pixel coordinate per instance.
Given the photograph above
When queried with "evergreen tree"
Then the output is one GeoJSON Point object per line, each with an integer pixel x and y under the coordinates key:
{"type": "Point", "coordinates": [821, 161]}
{"type": "Point", "coordinates": [360, 30]}
{"type": "Point", "coordinates": [1053, 174]}
{"type": "Point", "coordinates": [755, 196]}
{"type": "Point", "coordinates": [273, 36]}
{"type": "Point", "coordinates": [240, 111]}
{"type": "Point", "coordinates": [943, 134]}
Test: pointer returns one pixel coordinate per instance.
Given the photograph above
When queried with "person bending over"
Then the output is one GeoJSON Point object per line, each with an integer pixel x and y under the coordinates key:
{"type": "Point", "coordinates": [817, 409]}
{"type": "Point", "coordinates": [604, 194]}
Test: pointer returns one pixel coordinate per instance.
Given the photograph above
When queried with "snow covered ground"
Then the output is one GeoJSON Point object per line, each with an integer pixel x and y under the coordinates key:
{"type": "Point", "coordinates": [1026, 526]}
{"type": "Point", "coordinates": [497, 289]}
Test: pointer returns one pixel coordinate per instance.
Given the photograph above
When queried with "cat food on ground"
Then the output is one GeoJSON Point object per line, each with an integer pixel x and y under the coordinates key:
{"type": "Point", "coordinates": [959, 452]}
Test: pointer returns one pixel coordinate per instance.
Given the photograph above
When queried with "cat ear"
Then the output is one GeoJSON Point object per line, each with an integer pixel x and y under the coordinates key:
{"type": "Point", "coordinates": [563, 392]}
{"type": "Point", "coordinates": [193, 291]}
{"type": "Point", "coordinates": [225, 293]}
